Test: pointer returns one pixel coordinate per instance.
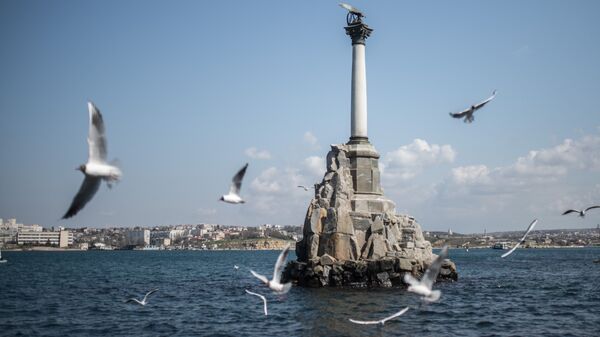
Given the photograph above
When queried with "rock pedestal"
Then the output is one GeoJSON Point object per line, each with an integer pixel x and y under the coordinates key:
{"type": "Point", "coordinates": [352, 234]}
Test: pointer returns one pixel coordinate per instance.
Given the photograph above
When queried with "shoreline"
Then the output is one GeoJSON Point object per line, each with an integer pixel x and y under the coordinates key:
{"type": "Point", "coordinates": [48, 249]}
{"type": "Point", "coordinates": [51, 249]}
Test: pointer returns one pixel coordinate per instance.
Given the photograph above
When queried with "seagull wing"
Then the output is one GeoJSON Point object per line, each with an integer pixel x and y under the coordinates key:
{"type": "Point", "coordinates": [260, 277]}
{"type": "Point", "coordinates": [262, 297]}
{"type": "Point", "coordinates": [88, 188]}
{"type": "Point", "coordinates": [149, 293]}
{"type": "Point", "coordinates": [571, 211]}
{"type": "Point", "coordinates": [96, 138]}
{"type": "Point", "coordinates": [363, 322]}
{"type": "Point", "coordinates": [279, 264]}
{"type": "Point", "coordinates": [133, 300]}
{"type": "Point", "coordinates": [486, 101]}
{"type": "Point", "coordinates": [408, 278]}
{"type": "Point", "coordinates": [236, 183]}
{"type": "Point", "coordinates": [531, 225]}
{"type": "Point", "coordinates": [350, 9]}
{"type": "Point", "coordinates": [434, 269]}
{"type": "Point", "coordinates": [382, 321]}
{"type": "Point", "coordinates": [399, 313]}
{"type": "Point", "coordinates": [460, 114]}
{"type": "Point", "coordinates": [591, 207]}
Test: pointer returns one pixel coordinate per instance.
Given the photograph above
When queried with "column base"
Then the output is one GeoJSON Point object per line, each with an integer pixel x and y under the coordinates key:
{"type": "Point", "coordinates": [358, 140]}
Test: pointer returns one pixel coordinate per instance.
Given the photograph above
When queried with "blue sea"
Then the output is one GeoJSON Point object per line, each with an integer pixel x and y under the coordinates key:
{"type": "Point", "coordinates": [533, 292]}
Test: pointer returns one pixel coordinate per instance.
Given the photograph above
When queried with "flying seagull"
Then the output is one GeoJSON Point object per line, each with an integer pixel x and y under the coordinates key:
{"type": "Point", "coordinates": [382, 321]}
{"type": "Point", "coordinates": [235, 266]}
{"type": "Point", "coordinates": [234, 191]}
{"type": "Point", "coordinates": [306, 188]}
{"type": "Point", "coordinates": [275, 284]}
{"type": "Point", "coordinates": [531, 225]}
{"type": "Point", "coordinates": [96, 169]}
{"type": "Point", "coordinates": [468, 113]}
{"type": "Point", "coordinates": [261, 296]}
{"type": "Point", "coordinates": [144, 301]}
{"type": "Point", "coordinates": [423, 287]}
{"type": "Point", "coordinates": [351, 9]}
{"type": "Point", "coordinates": [581, 213]}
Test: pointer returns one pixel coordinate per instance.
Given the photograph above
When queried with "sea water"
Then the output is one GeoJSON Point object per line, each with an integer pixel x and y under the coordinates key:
{"type": "Point", "coordinates": [533, 292]}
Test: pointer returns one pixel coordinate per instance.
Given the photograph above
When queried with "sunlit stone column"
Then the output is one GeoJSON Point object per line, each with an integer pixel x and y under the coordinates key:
{"type": "Point", "coordinates": [358, 32]}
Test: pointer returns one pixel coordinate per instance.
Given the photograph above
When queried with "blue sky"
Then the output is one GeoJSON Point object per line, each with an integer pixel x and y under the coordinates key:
{"type": "Point", "coordinates": [191, 90]}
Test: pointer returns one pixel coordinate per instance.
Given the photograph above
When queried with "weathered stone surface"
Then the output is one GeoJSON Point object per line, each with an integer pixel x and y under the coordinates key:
{"type": "Point", "coordinates": [327, 260]}
{"type": "Point", "coordinates": [379, 248]}
{"type": "Point", "coordinates": [377, 225]}
{"type": "Point", "coordinates": [313, 245]}
{"type": "Point", "coordinates": [362, 273]}
{"type": "Point", "coordinates": [383, 280]}
{"type": "Point", "coordinates": [352, 234]}
{"type": "Point", "coordinates": [448, 271]}
{"type": "Point", "coordinates": [404, 264]}
{"type": "Point", "coordinates": [386, 264]}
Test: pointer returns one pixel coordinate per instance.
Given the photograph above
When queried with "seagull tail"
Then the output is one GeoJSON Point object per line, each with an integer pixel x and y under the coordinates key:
{"type": "Point", "coordinates": [286, 288]}
{"type": "Point", "coordinates": [434, 296]}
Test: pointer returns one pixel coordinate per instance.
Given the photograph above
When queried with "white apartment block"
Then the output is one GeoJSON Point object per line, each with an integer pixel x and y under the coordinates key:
{"type": "Point", "coordinates": [61, 238]}
{"type": "Point", "coordinates": [139, 237]}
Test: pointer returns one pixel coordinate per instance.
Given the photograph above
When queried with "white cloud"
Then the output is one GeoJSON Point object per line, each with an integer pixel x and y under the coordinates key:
{"type": "Point", "coordinates": [555, 161]}
{"type": "Point", "coordinates": [540, 183]}
{"type": "Point", "coordinates": [274, 193]}
{"type": "Point", "coordinates": [469, 175]}
{"type": "Point", "coordinates": [310, 139]}
{"type": "Point", "coordinates": [409, 160]}
{"type": "Point", "coordinates": [537, 167]}
{"type": "Point", "coordinates": [254, 153]}
{"type": "Point", "coordinates": [267, 181]}
{"type": "Point", "coordinates": [315, 165]}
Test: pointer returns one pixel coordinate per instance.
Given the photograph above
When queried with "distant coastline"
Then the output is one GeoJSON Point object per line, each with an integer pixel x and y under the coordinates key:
{"type": "Point", "coordinates": [292, 247]}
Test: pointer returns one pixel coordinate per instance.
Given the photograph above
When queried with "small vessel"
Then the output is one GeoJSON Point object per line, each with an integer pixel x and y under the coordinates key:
{"type": "Point", "coordinates": [2, 260]}
{"type": "Point", "coordinates": [500, 245]}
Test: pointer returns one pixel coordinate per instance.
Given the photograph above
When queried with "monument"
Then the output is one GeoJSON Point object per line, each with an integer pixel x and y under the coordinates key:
{"type": "Point", "coordinates": [352, 235]}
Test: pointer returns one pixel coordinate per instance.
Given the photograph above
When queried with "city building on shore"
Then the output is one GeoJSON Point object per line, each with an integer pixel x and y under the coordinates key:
{"type": "Point", "coordinates": [10, 228]}
{"type": "Point", "coordinates": [61, 238]}
{"type": "Point", "coordinates": [139, 237]}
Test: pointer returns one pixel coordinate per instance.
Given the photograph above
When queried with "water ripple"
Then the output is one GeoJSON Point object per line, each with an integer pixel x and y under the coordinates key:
{"type": "Point", "coordinates": [542, 292]}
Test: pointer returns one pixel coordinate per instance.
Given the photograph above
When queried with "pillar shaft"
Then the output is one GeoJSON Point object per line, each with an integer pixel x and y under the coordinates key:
{"type": "Point", "coordinates": [359, 92]}
{"type": "Point", "coordinates": [358, 32]}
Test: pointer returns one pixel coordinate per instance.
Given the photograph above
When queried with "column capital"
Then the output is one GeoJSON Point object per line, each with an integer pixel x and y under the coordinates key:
{"type": "Point", "coordinates": [358, 32]}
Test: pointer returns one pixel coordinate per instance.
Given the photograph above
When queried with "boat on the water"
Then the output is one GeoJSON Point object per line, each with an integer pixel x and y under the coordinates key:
{"type": "Point", "coordinates": [500, 245]}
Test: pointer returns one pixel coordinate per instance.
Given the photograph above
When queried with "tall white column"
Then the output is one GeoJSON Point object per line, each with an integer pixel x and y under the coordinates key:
{"type": "Point", "coordinates": [358, 32]}
{"type": "Point", "coordinates": [359, 92]}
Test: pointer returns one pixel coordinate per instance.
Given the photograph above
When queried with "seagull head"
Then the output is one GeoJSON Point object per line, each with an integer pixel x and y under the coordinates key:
{"type": "Point", "coordinates": [80, 168]}
{"type": "Point", "coordinates": [221, 198]}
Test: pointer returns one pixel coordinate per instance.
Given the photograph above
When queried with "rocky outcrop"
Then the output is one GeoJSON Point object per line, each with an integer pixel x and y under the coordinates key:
{"type": "Point", "coordinates": [385, 272]}
{"type": "Point", "coordinates": [352, 234]}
